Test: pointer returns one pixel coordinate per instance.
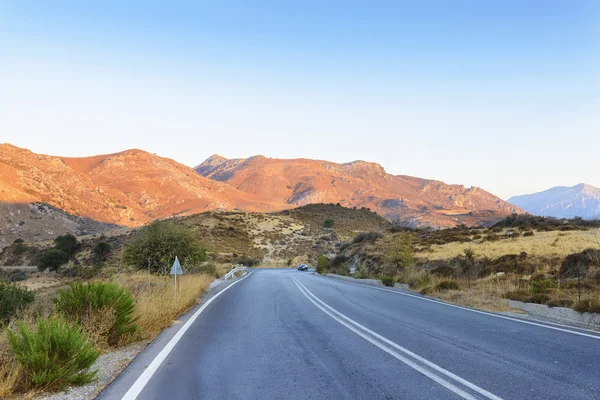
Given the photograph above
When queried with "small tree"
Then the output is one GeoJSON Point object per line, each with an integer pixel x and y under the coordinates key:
{"type": "Point", "coordinates": [399, 252]}
{"type": "Point", "coordinates": [157, 244]}
{"type": "Point", "coordinates": [328, 223]}
{"type": "Point", "coordinates": [52, 259]}
{"type": "Point", "coordinates": [576, 265]}
{"type": "Point", "coordinates": [67, 244]}
{"type": "Point", "coordinates": [468, 264]}
{"type": "Point", "coordinates": [12, 299]}
{"type": "Point", "coordinates": [101, 252]}
{"type": "Point", "coordinates": [322, 263]}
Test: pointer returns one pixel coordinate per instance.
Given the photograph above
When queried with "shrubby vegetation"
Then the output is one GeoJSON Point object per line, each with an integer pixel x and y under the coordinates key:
{"type": "Point", "coordinates": [322, 264]}
{"type": "Point", "coordinates": [64, 248]}
{"type": "Point", "coordinates": [100, 303]}
{"type": "Point", "coordinates": [12, 299]}
{"type": "Point", "coordinates": [53, 352]}
{"type": "Point", "coordinates": [156, 245]}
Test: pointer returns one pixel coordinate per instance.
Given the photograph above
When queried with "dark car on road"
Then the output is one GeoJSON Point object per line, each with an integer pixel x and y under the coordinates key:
{"type": "Point", "coordinates": [303, 267]}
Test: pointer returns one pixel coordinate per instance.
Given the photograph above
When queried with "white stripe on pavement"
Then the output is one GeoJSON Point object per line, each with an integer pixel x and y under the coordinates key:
{"type": "Point", "coordinates": [597, 336]}
{"type": "Point", "coordinates": [144, 378]}
{"type": "Point", "coordinates": [447, 384]}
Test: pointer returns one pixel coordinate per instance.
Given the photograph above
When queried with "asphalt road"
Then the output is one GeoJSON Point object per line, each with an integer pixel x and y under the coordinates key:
{"type": "Point", "coordinates": [285, 334]}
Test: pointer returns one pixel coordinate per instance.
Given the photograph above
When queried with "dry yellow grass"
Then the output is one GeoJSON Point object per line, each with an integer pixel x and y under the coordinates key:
{"type": "Point", "coordinates": [154, 300]}
{"type": "Point", "coordinates": [10, 371]}
{"type": "Point", "coordinates": [542, 244]}
{"type": "Point", "coordinates": [484, 294]}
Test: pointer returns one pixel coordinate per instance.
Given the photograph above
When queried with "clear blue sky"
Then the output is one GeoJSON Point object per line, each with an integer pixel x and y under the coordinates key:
{"type": "Point", "coordinates": [502, 94]}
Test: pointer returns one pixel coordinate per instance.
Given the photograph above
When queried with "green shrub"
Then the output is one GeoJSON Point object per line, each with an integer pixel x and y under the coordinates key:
{"type": "Point", "coordinates": [15, 276]}
{"type": "Point", "coordinates": [587, 305]}
{"type": "Point", "coordinates": [328, 223]}
{"type": "Point", "coordinates": [322, 263]}
{"type": "Point", "coordinates": [82, 302]}
{"type": "Point", "coordinates": [101, 252]}
{"type": "Point", "coordinates": [53, 353]}
{"type": "Point", "coordinates": [387, 280]}
{"type": "Point", "coordinates": [446, 285]}
{"type": "Point", "coordinates": [156, 245]}
{"type": "Point", "coordinates": [361, 273]}
{"type": "Point", "coordinates": [52, 259]}
{"type": "Point", "coordinates": [67, 244]}
{"type": "Point", "coordinates": [247, 261]}
{"type": "Point", "coordinates": [367, 237]}
{"type": "Point", "coordinates": [12, 299]}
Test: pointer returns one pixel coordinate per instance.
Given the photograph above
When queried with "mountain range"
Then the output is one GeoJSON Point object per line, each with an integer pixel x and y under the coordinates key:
{"type": "Point", "coordinates": [562, 202]}
{"type": "Point", "coordinates": [133, 187]}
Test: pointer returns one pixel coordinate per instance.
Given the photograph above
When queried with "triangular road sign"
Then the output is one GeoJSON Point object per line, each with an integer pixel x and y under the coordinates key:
{"type": "Point", "coordinates": [176, 269]}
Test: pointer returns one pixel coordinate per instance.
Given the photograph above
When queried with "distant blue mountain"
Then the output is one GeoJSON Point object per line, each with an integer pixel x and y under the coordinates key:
{"type": "Point", "coordinates": [562, 202]}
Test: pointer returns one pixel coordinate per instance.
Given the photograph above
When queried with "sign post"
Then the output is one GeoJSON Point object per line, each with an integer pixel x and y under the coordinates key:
{"type": "Point", "coordinates": [176, 270]}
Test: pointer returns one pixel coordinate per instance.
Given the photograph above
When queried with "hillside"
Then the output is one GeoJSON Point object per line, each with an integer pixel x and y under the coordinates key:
{"type": "Point", "coordinates": [130, 188]}
{"type": "Point", "coordinates": [38, 222]}
{"type": "Point", "coordinates": [562, 202]}
{"type": "Point", "coordinates": [270, 237]}
{"type": "Point", "coordinates": [409, 200]}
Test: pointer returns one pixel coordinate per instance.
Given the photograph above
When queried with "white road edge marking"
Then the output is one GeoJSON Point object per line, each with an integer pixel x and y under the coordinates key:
{"type": "Point", "coordinates": [448, 385]}
{"type": "Point", "coordinates": [596, 336]}
{"type": "Point", "coordinates": [144, 378]}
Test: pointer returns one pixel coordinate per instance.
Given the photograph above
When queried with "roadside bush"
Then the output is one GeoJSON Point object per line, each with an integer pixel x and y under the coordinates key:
{"type": "Point", "coordinates": [361, 273]}
{"type": "Point", "coordinates": [52, 259]}
{"type": "Point", "coordinates": [12, 299]}
{"type": "Point", "coordinates": [367, 237]}
{"type": "Point", "coordinates": [82, 303]}
{"type": "Point", "coordinates": [446, 285]}
{"type": "Point", "coordinates": [156, 245]}
{"type": "Point", "coordinates": [387, 280]}
{"type": "Point", "coordinates": [53, 353]}
{"type": "Point", "coordinates": [247, 261]}
{"type": "Point", "coordinates": [322, 263]}
{"type": "Point", "coordinates": [587, 305]}
{"type": "Point", "coordinates": [209, 269]}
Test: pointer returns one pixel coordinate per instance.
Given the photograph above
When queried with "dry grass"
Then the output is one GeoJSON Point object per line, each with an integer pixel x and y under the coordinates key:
{"type": "Point", "coordinates": [484, 294]}
{"type": "Point", "coordinates": [154, 300]}
{"type": "Point", "coordinates": [553, 243]}
{"type": "Point", "coordinates": [11, 372]}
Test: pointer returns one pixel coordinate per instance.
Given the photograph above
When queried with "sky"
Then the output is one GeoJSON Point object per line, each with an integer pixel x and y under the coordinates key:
{"type": "Point", "coordinates": [500, 94]}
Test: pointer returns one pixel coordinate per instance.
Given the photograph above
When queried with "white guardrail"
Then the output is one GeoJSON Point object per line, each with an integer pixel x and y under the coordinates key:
{"type": "Point", "coordinates": [241, 271]}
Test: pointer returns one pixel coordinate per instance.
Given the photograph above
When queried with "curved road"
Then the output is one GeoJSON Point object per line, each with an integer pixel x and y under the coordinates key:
{"type": "Point", "coordinates": [285, 334]}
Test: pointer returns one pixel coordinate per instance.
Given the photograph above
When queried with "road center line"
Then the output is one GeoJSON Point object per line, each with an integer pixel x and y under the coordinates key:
{"type": "Point", "coordinates": [556, 328]}
{"type": "Point", "coordinates": [353, 325]}
{"type": "Point", "coordinates": [144, 378]}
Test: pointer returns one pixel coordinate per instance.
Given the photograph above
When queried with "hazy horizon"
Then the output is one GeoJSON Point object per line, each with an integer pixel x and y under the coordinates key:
{"type": "Point", "coordinates": [503, 96]}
